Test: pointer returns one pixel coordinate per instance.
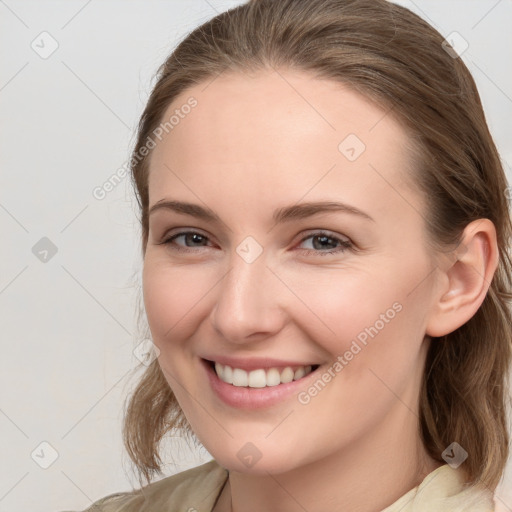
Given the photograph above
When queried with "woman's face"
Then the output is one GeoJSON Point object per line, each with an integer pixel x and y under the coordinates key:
{"type": "Point", "coordinates": [272, 274]}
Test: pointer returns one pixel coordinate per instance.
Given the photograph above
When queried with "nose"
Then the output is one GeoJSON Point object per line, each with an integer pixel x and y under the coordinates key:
{"type": "Point", "coordinates": [249, 304]}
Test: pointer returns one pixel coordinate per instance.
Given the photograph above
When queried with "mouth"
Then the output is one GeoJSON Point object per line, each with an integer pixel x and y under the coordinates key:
{"type": "Point", "coordinates": [260, 377]}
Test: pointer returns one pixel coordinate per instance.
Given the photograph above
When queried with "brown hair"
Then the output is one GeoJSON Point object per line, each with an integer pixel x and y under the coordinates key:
{"type": "Point", "coordinates": [397, 59]}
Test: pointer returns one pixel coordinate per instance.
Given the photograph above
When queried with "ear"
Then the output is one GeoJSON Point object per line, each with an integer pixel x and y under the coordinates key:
{"type": "Point", "coordinates": [466, 275]}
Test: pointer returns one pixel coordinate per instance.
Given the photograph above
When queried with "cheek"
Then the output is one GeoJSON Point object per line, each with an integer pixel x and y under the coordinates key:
{"type": "Point", "coordinates": [172, 299]}
{"type": "Point", "coordinates": [377, 313]}
{"type": "Point", "coordinates": [339, 304]}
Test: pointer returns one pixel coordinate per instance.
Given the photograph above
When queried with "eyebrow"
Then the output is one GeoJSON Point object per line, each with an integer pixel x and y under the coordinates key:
{"type": "Point", "coordinates": [285, 214]}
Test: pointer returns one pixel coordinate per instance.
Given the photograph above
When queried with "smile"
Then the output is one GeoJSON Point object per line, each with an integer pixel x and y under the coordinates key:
{"type": "Point", "coordinates": [261, 378]}
{"type": "Point", "coordinates": [261, 382]}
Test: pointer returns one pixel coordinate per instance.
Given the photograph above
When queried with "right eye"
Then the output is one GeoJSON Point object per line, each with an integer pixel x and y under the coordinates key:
{"type": "Point", "coordinates": [194, 238]}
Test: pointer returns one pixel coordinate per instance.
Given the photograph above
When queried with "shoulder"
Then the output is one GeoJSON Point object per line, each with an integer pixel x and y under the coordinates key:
{"type": "Point", "coordinates": [445, 490]}
{"type": "Point", "coordinates": [194, 490]}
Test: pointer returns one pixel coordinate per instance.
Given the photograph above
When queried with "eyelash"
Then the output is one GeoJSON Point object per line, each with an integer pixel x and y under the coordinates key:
{"type": "Point", "coordinates": [344, 244]}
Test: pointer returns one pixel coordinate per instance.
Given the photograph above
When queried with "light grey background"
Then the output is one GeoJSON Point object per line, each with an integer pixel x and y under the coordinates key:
{"type": "Point", "coordinates": [68, 324]}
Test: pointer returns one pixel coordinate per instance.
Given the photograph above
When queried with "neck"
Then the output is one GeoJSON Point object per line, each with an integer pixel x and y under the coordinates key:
{"type": "Point", "coordinates": [369, 475]}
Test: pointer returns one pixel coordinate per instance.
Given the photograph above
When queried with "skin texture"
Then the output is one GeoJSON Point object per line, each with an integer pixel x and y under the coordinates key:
{"type": "Point", "coordinates": [253, 144]}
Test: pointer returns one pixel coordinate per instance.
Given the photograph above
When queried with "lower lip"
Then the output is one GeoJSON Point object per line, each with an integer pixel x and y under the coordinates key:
{"type": "Point", "coordinates": [253, 398]}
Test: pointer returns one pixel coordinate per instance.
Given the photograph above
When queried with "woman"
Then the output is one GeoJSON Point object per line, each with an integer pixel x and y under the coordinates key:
{"type": "Point", "coordinates": [326, 235]}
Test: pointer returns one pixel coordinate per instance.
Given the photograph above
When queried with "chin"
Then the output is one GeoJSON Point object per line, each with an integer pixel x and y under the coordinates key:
{"type": "Point", "coordinates": [242, 462]}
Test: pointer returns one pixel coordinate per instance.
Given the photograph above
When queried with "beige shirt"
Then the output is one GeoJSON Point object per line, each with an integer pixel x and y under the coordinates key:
{"type": "Point", "coordinates": [197, 490]}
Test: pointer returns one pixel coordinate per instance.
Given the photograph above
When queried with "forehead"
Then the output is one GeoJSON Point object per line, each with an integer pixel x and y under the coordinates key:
{"type": "Point", "coordinates": [249, 136]}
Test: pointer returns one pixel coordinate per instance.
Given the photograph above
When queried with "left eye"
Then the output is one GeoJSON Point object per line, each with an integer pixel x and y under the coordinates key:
{"type": "Point", "coordinates": [322, 243]}
{"type": "Point", "coordinates": [325, 241]}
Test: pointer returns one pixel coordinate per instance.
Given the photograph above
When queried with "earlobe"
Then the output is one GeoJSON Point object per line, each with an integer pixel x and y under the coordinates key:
{"type": "Point", "coordinates": [465, 280]}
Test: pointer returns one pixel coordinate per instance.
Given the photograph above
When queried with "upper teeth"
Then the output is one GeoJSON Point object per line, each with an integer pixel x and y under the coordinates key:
{"type": "Point", "coordinates": [259, 378]}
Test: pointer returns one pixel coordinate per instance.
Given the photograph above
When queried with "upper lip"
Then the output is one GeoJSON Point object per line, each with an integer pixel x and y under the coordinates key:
{"type": "Point", "coordinates": [255, 363]}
